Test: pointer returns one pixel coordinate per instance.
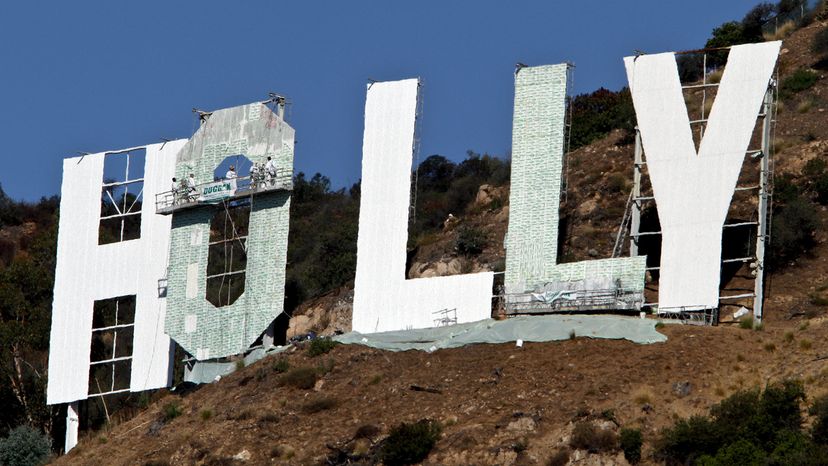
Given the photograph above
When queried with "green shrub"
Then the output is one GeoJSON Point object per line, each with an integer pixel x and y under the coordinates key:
{"type": "Point", "coordinates": [281, 365]}
{"type": "Point", "coordinates": [24, 446]}
{"type": "Point", "coordinates": [792, 232]}
{"type": "Point", "coordinates": [587, 436]}
{"type": "Point", "coordinates": [410, 443]}
{"type": "Point", "coordinates": [688, 439]}
{"type": "Point", "coordinates": [795, 448]}
{"type": "Point", "coordinates": [325, 366]}
{"type": "Point", "coordinates": [595, 115]}
{"type": "Point", "coordinates": [609, 415]}
{"type": "Point", "coordinates": [470, 241]}
{"type": "Point", "coordinates": [171, 410]}
{"type": "Point", "coordinates": [819, 410]}
{"type": "Point", "coordinates": [320, 346]}
{"type": "Point", "coordinates": [816, 178]}
{"type": "Point", "coordinates": [617, 183]}
{"type": "Point", "coordinates": [631, 441]}
{"type": "Point", "coordinates": [820, 188]}
{"type": "Point", "coordinates": [319, 404]}
{"type": "Point", "coordinates": [300, 377]}
{"type": "Point", "coordinates": [757, 419]}
{"type": "Point", "coordinates": [820, 44]}
{"type": "Point", "coordinates": [814, 168]}
{"type": "Point", "coordinates": [739, 453]}
{"type": "Point", "coordinates": [559, 458]}
{"type": "Point", "coordinates": [206, 414]}
{"type": "Point", "coordinates": [746, 323]}
{"type": "Point", "coordinates": [800, 80]}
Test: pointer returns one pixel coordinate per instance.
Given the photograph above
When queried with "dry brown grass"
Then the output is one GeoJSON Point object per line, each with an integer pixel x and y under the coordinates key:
{"type": "Point", "coordinates": [782, 32]}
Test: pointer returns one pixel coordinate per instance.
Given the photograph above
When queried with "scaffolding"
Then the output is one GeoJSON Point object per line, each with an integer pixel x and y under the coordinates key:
{"type": "Point", "coordinates": [575, 301]}
{"type": "Point", "coordinates": [445, 317]}
{"type": "Point", "coordinates": [185, 197]}
{"type": "Point", "coordinates": [764, 189]}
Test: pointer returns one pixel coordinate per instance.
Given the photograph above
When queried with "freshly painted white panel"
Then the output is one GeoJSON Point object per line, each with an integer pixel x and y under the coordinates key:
{"type": "Point", "coordinates": [87, 272]}
{"type": "Point", "coordinates": [72, 426]}
{"type": "Point", "coordinates": [192, 281]}
{"type": "Point", "coordinates": [693, 190]}
{"type": "Point", "coordinates": [383, 298]}
{"type": "Point", "coordinates": [190, 323]}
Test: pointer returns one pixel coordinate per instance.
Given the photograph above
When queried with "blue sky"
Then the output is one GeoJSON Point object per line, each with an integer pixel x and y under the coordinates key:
{"type": "Point", "coordinates": [95, 76]}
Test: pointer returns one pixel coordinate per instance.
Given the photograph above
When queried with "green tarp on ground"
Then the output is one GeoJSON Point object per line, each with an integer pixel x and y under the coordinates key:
{"type": "Point", "coordinates": [526, 328]}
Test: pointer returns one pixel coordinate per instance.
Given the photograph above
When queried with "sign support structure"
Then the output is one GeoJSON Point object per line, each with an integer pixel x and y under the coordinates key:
{"type": "Point", "coordinates": [755, 261]}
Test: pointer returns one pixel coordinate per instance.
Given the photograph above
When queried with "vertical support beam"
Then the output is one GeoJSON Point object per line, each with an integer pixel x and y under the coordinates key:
{"type": "Point", "coordinates": [72, 425]}
{"type": "Point", "coordinates": [635, 223]}
{"type": "Point", "coordinates": [269, 336]}
{"type": "Point", "coordinates": [764, 201]}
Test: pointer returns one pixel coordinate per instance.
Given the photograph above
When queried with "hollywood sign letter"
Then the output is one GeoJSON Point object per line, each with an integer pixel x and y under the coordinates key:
{"type": "Point", "coordinates": [533, 276]}
{"type": "Point", "coordinates": [383, 298]}
{"type": "Point", "coordinates": [693, 189]}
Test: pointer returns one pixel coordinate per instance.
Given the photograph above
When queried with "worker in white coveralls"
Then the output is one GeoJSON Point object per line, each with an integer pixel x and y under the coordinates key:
{"type": "Point", "coordinates": [174, 190]}
{"type": "Point", "coordinates": [191, 187]}
{"type": "Point", "coordinates": [255, 174]}
{"type": "Point", "coordinates": [230, 173]}
{"type": "Point", "coordinates": [270, 168]}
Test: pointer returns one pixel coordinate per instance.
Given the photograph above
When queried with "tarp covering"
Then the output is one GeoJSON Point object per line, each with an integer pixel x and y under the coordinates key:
{"type": "Point", "coordinates": [526, 328]}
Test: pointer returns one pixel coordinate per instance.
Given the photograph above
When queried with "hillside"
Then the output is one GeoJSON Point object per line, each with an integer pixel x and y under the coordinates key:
{"type": "Point", "coordinates": [500, 404]}
{"type": "Point", "coordinates": [492, 398]}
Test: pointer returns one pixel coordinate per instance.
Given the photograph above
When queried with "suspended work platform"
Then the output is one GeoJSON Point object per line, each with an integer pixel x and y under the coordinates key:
{"type": "Point", "coordinates": [569, 301]}
{"type": "Point", "coordinates": [225, 190]}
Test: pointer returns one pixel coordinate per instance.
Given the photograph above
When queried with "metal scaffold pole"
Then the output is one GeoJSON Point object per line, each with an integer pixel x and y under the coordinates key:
{"type": "Point", "coordinates": [635, 223]}
{"type": "Point", "coordinates": [764, 202]}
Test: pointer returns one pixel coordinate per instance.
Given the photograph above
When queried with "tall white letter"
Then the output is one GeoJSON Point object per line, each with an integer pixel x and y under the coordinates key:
{"type": "Point", "coordinates": [693, 190]}
{"type": "Point", "coordinates": [534, 198]}
{"type": "Point", "coordinates": [383, 298]}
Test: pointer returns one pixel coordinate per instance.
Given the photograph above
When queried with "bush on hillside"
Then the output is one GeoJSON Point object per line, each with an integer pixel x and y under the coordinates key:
{"type": "Point", "coordinates": [172, 410]}
{"type": "Point", "coordinates": [792, 232]}
{"type": "Point", "coordinates": [739, 453]}
{"type": "Point", "coordinates": [320, 346]}
{"type": "Point", "coordinates": [754, 20]}
{"type": "Point", "coordinates": [631, 440]}
{"type": "Point", "coordinates": [410, 443]}
{"type": "Point", "coordinates": [24, 446]}
{"type": "Point", "coordinates": [750, 424]}
{"type": "Point", "coordinates": [470, 241]}
{"type": "Point", "coordinates": [443, 187]}
{"type": "Point", "coordinates": [815, 173]}
{"type": "Point", "coordinates": [819, 46]}
{"type": "Point", "coordinates": [301, 377]}
{"type": "Point", "coordinates": [819, 430]}
{"type": "Point", "coordinates": [799, 81]}
{"type": "Point", "coordinates": [588, 436]}
{"type": "Point", "coordinates": [596, 114]}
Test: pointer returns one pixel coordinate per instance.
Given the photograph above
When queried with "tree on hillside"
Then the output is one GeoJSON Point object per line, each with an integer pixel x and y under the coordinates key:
{"type": "Point", "coordinates": [25, 317]}
{"type": "Point", "coordinates": [594, 115]}
{"type": "Point", "coordinates": [754, 20]}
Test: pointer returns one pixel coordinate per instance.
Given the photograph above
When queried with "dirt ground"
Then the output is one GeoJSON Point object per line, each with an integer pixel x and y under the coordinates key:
{"type": "Point", "coordinates": [499, 404]}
